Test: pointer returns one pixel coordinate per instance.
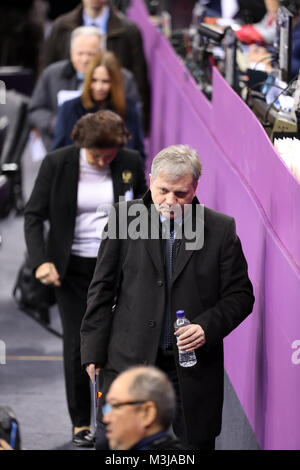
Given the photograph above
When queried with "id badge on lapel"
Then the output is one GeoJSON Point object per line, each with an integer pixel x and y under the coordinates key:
{"type": "Point", "coordinates": [127, 181]}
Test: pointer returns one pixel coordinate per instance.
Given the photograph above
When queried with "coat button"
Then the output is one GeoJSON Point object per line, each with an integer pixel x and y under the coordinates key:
{"type": "Point", "coordinates": [160, 283]}
{"type": "Point", "coordinates": [151, 323]}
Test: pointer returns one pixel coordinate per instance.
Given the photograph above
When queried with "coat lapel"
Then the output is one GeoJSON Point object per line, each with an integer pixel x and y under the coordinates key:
{"type": "Point", "coordinates": [122, 177]}
{"type": "Point", "coordinates": [114, 25]}
{"type": "Point", "coordinates": [154, 243]}
{"type": "Point", "coordinates": [182, 258]}
{"type": "Point", "coordinates": [194, 221]}
{"type": "Point", "coordinates": [72, 177]}
{"type": "Point", "coordinates": [115, 168]}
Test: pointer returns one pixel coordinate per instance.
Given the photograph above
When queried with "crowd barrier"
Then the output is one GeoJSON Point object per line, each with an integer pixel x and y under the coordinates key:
{"type": "Point", "coordinates": [242, 176]}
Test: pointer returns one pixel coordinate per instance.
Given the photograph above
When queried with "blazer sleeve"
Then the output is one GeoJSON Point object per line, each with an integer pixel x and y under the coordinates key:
{"type": "Point", "coordinates": [235, 292]}
{"type": "Point", "coordinates": [36, 212]}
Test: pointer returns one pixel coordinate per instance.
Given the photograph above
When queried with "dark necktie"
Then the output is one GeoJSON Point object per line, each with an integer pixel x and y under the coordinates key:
{"type": "Point", "coordinates": [166, 339]}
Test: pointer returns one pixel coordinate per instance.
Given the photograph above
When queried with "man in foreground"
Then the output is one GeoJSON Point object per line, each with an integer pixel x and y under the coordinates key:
{"type": "Point", "coordinates": [139, 409]}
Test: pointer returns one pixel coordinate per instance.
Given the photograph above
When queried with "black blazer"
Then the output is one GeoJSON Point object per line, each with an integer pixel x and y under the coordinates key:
{"type": "Point", "coordinates": [54, 198]}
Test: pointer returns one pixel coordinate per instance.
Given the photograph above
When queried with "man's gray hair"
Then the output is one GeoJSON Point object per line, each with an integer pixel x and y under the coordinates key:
{"type": "Point", "coordinates": [152, 384]}
{"type": "Point", "coordinates": [175, 161]}
{"type": "Point", "coordinates": [89, 31]}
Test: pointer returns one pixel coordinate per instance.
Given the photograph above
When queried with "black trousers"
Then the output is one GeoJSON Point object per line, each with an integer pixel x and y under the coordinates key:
{"type": "Point", "coordinates": [71, 300]}
{"type": "Point", "coordinates": [165, 361]}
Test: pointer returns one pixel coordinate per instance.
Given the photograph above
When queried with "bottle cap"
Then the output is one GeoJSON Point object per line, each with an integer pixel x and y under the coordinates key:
{"type": "Point", "coordinates": [180, 313]}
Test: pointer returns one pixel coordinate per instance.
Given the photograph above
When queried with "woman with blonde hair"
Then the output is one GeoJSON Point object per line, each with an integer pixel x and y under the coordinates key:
{"type": "Point", "coordinates": [103, 89]}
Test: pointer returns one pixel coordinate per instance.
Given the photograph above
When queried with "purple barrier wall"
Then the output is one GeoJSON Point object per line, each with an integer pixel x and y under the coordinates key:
{"type": "Point", "coordinates": [244, 177]}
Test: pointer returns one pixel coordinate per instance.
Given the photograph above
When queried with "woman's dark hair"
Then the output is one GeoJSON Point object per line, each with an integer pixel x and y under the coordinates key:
{"type": "Point", "coordinates": [103, 129]}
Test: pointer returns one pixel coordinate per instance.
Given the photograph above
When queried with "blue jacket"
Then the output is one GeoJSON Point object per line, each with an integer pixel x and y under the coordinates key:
{"type": "Point", "coordinates": [70, 111]}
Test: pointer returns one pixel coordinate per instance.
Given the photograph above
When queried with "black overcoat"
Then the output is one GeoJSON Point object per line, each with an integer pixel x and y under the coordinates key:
{"type": "Point", "coordinates": [211, 284]}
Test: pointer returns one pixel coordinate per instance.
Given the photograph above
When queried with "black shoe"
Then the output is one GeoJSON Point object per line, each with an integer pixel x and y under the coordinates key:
{"type": "Point", "coordinates": [83, 438]}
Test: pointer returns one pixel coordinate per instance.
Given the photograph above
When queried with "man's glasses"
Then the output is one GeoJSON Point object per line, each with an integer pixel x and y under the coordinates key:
{"type": "Point", "coordinates": [108, 407]}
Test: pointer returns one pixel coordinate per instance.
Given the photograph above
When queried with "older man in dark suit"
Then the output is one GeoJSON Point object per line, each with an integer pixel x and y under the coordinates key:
{"type": "Point", "coordinates": [137, 279]}
{"type": "Point", "coordinates": [123, 37]}
{"type": "Point", "coordinates": [63, 80]}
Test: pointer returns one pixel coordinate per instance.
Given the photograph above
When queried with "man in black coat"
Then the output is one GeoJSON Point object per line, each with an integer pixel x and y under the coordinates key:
{"type": "Point", "coordinates": [136, 291]}
{"type": "Point", "coordinates": [122, 37]}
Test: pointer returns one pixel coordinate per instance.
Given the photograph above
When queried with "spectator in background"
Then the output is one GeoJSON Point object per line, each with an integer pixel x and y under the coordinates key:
{"type": "Point", "coordinates": [68, 75]}
{"type": "Point", "coordinates": [140, 406]}
{"type": "Point", "coordinates": [21, 33]}
{"type": "Point", "coordinates": [251, 12]}
{"type": "Point", "coordinates": [260, 53]}
{"type": "Point", "coordinates": [103, 89]}
{"type": "Point", "coordinates": [123, 38]}
{"type": "Point", "coordinates": [243, 10]}
{"type": "Point", "coordinates": [72, 186]}
{"type": "Point", "coordinates": [219, 8]}
{"type": "Point", "coordinates": [294, 7]}
{"type": "Point", "coordinates": [263, 32]}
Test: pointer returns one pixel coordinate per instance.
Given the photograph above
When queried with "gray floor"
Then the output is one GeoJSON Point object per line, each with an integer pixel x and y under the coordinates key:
{"type": "Point", "coordinates": [31, 381]}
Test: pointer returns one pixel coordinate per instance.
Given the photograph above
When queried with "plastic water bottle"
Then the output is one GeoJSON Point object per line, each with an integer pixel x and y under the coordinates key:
{"type": "Point", "coordinates": [186, 359]}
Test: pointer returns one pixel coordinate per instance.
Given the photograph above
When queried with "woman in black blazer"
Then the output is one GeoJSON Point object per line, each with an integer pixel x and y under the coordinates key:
{"type": "Point", "coordinates": [73, 185]}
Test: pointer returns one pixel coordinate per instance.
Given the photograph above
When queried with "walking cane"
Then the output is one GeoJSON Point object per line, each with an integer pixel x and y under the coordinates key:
{"type": "Point", "coordinates": [94, 387]}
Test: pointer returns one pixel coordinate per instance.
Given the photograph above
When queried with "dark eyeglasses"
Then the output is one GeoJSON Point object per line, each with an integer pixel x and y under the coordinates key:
{"type": "Point", "coordinates": [108, 407]}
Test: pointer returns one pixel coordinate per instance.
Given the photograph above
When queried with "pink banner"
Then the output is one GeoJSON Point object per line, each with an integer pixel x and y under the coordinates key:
{"type": "Point", "coordinates": [244, 177]}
